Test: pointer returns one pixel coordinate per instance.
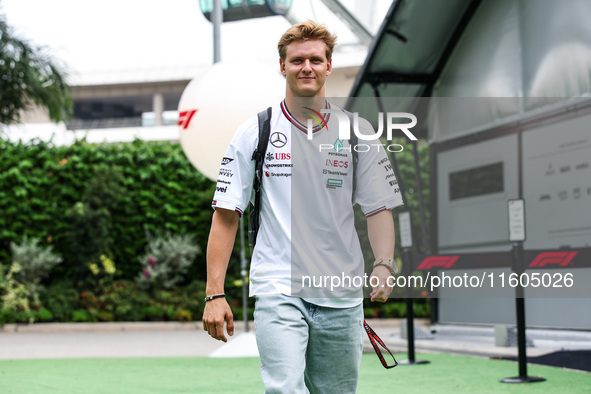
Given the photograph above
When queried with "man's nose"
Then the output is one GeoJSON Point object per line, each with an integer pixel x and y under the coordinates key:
{"type": "Point", "coordinates": [307, 66]}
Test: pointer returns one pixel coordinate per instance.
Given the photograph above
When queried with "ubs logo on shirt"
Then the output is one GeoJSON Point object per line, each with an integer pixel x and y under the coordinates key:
{"type": "Point", "coordinates": [283, 156]}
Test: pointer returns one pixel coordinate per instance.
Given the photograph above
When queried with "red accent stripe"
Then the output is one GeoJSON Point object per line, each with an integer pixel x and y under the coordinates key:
{"type": "Point", "coordinates": [375, 212]}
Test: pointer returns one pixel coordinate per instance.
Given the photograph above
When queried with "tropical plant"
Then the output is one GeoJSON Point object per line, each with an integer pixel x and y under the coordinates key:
{"type": "Point", "coordinates": [30, 77]}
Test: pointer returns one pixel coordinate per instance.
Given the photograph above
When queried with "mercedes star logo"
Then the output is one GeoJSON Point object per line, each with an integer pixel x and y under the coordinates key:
{"type": "Point", "coordinates": [278, 140]}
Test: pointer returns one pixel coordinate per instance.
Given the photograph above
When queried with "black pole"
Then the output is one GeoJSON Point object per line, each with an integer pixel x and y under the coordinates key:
{"type": "Point", "coordinates": [410, 313]}
{"type": "Point", "coordinates": [518, 268]}
{"type": "Point", "coordinates": [521, 339]}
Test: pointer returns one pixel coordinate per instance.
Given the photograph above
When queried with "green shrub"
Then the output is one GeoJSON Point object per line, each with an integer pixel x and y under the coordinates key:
{"type": "Point", "coordinates": [157, 190]}
{"type": "Point", "coordinates": [5, 316]}
{"type": "Point", "coordinates": [82, 316]}
{"type": "Point", "coordinates": [166, 261]}
{"type": "Point", "coordinates": [90, 235]}
{"type": "Point", "coordinates": [44, 315]}
{"type": "Point", "coordinates": [61, 298]}
{"type": "Point", "coordinates": [20, 284]}
{"type": "Point", "coordinates": [35, 261]}
{"type": "Point", "coordinates": [152, 313]}
{"type": "Point", "coordinates": [123, 301]}
{"type": "Point", "coordinates": [14, 296]}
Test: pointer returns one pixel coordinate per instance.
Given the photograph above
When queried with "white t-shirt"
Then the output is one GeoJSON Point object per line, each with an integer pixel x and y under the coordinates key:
{"type": "Point", "coordinates": [307, 240]}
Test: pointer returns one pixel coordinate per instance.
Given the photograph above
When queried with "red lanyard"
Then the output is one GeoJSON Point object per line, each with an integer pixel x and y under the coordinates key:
{"type": "Point", "coordinates": [375, 340]}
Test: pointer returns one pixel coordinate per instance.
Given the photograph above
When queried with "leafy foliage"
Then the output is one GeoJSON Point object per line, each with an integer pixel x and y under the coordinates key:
{"type": "Point", "coordinates": [34, 261]}
{"type": "Point", "coordinates": [20, 285]}
{"type": "Point", "coordinates": [167, 261]}
{"type": "Point", "coordinates": [89, 237]}
{"type": "Point", "coordinates": [147, 188]}
{"type": "Point", "coordinates": [14, 297]}
{"type": "Point", "coordinates": [61, 298]}
{"type": "Point", "coordinates": [154, 189]}
{"type": "Point", "coordinates": [29, 76]}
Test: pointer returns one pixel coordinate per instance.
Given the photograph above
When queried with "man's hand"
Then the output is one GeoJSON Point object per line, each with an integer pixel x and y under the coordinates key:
{"type": "Point", "coordinates": [217, 312]}
{"type": "Point", "coordinates": [224, 224]}
{"type": "Point", "coordinates": [381, 292]}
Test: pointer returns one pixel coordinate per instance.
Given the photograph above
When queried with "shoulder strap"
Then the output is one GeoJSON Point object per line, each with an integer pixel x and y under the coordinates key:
{"type": "Point", "coordinates": [355, 156]}
{"type": "Point", "coordinates": [258, 156]}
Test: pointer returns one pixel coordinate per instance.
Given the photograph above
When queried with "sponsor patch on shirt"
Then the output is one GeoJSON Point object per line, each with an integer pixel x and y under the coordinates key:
{"type": "Point", "coordinates": [333, 183]}
{"type": "Point", "coordinates": [226, 160]}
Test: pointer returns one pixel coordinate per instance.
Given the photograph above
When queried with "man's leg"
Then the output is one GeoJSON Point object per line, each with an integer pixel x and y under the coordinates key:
{"type": "Point", "coordinates": [334, 349]}
{"type": "Point", "coordinates": [282, 338]}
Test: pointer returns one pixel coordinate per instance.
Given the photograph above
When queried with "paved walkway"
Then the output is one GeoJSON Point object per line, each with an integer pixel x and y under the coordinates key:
{"type": "Point", "coordinates": [88, 340]}
{"type": "Point", "coordinates": [173, 339]}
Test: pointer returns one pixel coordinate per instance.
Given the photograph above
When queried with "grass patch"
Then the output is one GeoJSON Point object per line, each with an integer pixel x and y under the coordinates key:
{"type": "Point", "coordinates": [445, 374]}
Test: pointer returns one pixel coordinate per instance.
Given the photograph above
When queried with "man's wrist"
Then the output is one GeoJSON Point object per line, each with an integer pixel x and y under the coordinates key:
{"type": "Point", "coordinates": [214, 296]}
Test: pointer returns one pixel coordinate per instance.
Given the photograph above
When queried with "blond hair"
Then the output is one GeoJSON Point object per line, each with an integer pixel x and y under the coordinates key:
{"type": "Point", "coordinates": [304, 31]}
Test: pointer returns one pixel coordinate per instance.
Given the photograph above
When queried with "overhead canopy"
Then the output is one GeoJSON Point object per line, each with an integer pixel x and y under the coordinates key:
{"type": "Point", "coordinates": [523, 49]}
{"type": "Point", "coordinates": [235, 10]}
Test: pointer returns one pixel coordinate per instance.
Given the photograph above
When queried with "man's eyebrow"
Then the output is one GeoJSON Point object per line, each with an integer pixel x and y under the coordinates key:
{"type": "Point", "coordinates": [299, 57]}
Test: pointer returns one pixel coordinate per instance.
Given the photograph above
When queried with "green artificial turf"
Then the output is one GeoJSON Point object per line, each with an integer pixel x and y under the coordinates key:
{"type": "Point", "coordinates": [445, 374]}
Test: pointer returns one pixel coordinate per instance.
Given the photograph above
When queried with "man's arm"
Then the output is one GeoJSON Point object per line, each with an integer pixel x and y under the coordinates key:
{"type": "Point", "coordinates": [380, 230]}
{"type": "Point", "coordinates": [224, 225]}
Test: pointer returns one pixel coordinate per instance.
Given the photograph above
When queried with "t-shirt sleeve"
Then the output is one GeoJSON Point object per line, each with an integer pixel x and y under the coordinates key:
{"type": "Point", "coordinates": [377, 188]}
{"type": "Point", "coordinates": [234, 184]}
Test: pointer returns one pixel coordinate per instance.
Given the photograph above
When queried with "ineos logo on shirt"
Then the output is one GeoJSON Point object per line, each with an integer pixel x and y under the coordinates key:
{"type": "Point", "coordinates": [278, 140]}
{"type": "Point", "coordinates": [337, 163]}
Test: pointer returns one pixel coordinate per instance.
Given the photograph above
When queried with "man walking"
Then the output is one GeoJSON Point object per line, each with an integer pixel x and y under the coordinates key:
{"type": "Point", "coordinates": [309, 331]}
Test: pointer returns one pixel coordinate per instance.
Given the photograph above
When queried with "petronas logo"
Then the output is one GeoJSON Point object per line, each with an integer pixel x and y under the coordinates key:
{"type": "Point", "coordinates": [338, 145]}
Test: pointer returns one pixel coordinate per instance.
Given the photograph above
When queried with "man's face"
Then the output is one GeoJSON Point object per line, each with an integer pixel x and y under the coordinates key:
{"type": "Point", "coordinates": [306, 68]}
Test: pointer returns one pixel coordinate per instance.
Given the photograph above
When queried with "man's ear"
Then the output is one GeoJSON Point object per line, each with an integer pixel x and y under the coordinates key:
{"type": "Point", "coordinates": [329, 68]}
{"type": "Point", "coordinates": [282, 66]}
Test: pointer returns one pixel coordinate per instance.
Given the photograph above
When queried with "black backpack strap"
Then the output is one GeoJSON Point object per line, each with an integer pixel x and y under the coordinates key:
{"type": "Point", "coordinates": [259, 157]}
{"type": "Point", "coordinates": [355, 156]}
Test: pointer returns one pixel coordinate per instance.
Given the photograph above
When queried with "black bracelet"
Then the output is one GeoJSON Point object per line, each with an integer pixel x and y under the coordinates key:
{"type": "Point", "coordinates": [213, 297]}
